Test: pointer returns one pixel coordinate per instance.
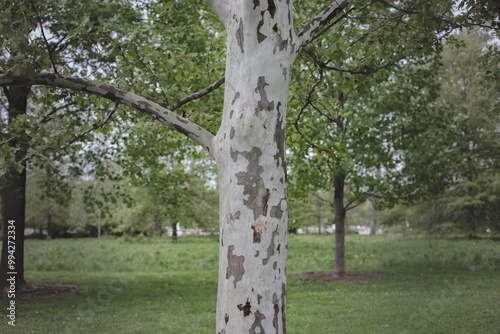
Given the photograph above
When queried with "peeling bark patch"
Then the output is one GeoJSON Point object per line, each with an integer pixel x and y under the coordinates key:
{"type": "Point", "coordinates": [245, 308]}
{"type": "Point", "coordinates": [279, 140]}
{"type": "Point", "coordinates": [276, 308]}
{"type": "Point", "coordinates": [271, 7]}
{"type": "Point", "coordinates": [259, 317]}
{"type": "Point", "coordinates": [259, 297]}
{"type": "Point", "coordinates": [231, 133]}
{"type": "Point", "coordinates": [256, 3]}
{"type": "Point", "coordinates": [231, 218]}
{"type": "Point", "coordinates": [239, 36]}
{"type": "Point", "coordinates": [234, 265]}
{"type": "Point", "coordinates": [236, 97]}
{"type": "Point", "coordinates": [260, 36]}
{"type": "Point", "coordinates": [231, 114]}
{"type": "Point", "coordinates": [276, 211]}
{"type": "Point", "coordinates": [257, 229]}
{"type": "Point", "coordinates": [256, 235]}
{"type": "Point", "coordinates": [275, 264]}
{"type": "Point", "coordinates": [226, 318]}
{"type": "Point", "coordinates": [251, 180]}
{"type": "Point", "coordinates": [270, 249]}
{"type": "Point", "coordinates": [265, 198]}
{"type": "Point", "coordinates": [264, 103]}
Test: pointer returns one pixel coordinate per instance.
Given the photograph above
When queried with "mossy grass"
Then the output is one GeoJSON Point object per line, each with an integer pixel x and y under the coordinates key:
{"type": "Point", "coordinates": [149, 285]}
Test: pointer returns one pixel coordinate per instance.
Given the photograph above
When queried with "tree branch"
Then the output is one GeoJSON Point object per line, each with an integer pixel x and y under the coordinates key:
{"type": "Point", "coordinates": [330, 203]}
{"type": "Point", "coordinates": [307, 34]}
{"type": "Point", "coordinates": [76, 138]}
{"type": "Point", "coordinates": [44, 38]}
{"type": "Point", "coordinates": [196, 95]}
{"type": "Point", "coordinates": [163, 115]}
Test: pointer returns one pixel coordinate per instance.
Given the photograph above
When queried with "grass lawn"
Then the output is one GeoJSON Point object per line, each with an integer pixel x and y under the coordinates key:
{"type": "Point", "coordinates": [151, 286]}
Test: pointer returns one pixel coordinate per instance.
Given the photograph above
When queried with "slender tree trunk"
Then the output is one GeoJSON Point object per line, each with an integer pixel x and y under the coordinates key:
{"type": "Point", "coordinates": [174, 232]}
{"type": "Point", "coordinates": [339, 219]}
{"type": "Point", "coordinates": [373, 216]}
{"type": "Point", "coordinates": [319, 216]}
{"type": "Point", "coordinates": [13, 192]}
{"type": "Point", "coordinates": [50, 229]}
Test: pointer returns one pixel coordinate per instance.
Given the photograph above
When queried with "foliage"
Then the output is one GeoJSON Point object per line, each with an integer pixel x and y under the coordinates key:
{"type": "Point", "coordinates": [475, 197]}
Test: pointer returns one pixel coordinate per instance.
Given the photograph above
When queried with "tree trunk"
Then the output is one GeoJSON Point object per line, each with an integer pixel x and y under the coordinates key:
{"type": "Point", "coordinates": [174, 232]}
{"type": "Point", "coordinates": [253, 201]}
{"type": "Point", "coordinates": [339, 220]}
{"type": "Point", "coordinates": [373, 217]}
{"type": "Point", "coordinates": [319, 215]}
{"type": "Point", "coordinates": [13, 192]}
{"type": "Point", "coordinates": [50, 229]}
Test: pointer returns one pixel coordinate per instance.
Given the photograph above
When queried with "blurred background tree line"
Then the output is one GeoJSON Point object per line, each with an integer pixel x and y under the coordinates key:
{"type": "Point", "coordinates": [411, 136]}
{"type": "Point", "coordinates": [181, 187]}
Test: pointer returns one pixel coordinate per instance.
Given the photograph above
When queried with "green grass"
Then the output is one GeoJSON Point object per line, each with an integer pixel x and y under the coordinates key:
{"type": "Point", "coordinates": [145, 285]}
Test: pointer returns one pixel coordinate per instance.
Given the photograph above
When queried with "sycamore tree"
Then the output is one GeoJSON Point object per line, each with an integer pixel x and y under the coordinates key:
{"type": "Point", "coordinates": [248, 145]}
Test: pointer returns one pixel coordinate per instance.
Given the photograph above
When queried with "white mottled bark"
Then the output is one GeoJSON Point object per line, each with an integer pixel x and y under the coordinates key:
{"type": "Point", "coordinates": [261, 48]}
{"type": "Point", "coordinates": [252, 182]}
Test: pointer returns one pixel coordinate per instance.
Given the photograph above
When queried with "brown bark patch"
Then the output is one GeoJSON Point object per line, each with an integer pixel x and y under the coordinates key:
{"type": "Point", "coordinates": [259, 317]}
{"type": "Point", "coordinates": [270, 249]}
{"type": "Point", "coordinates": [42, 290]}
{"type": "Point", "coordinates": [245, 308]}
{"type": "Point", "coordinates": [265, 198]}
{"type": "Point", "coordinates": [235, 265]}
{"type": "Point", "coordinates": [347, 277]}
{"type": "Point", "coordinates": [240, 36]}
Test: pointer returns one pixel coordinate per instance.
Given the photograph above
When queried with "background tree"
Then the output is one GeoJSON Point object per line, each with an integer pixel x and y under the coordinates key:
{"type": "Point", "coordinates": [29, 130]}
{"type": "Point", "coordinates": [474, 199]}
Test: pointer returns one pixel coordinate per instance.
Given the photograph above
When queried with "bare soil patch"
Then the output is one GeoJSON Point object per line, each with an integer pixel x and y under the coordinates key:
{"type": "Point", "coordinates": [348, 277]}
{"type": "Point", "coordinates": [42, 290]}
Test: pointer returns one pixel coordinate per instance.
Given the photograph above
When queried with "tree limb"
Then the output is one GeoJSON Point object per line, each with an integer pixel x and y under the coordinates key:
{"type": "Point", "coordinates": [307, 34]}
{"type": "Point", "coordinates": [163, 115]}
{"type": "Point", "coordinates": [330, 203]}
{"type": "Point", "coordinates": [196, 95]}
{"type": "Point", "coordinates": [44, 38]}
{"type": "Point", "coordinates": [76, 138]}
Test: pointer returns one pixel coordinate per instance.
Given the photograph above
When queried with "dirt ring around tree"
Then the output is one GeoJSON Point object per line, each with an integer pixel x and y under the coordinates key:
{"type": "Point", "coordinates": [333, 277]}
{"type": "Point", "coordinates": [42, 290]}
